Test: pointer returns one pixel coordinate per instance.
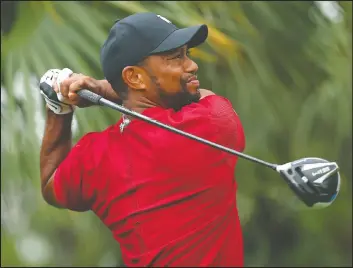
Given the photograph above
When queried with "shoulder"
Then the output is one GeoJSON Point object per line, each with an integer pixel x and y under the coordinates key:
{"type": "Point", "coordinates": [215, 104]}
{"type": "Point", "coordinates": [195, 117]}
{"type": "Point", "coordinates": [212, 118]}
{"type": "Point", "coordinates": [95, 138]}
{"type": "Point", "coordinates": [91, 146]}
{"type": "Point", "coordinates": [211, 115]}
{"type": "Point", "coordinates": [87, 143]}
{"type": "Point", "coordinates": [211, 108]}
{"type": "Point", "coordinates": [88, 139]}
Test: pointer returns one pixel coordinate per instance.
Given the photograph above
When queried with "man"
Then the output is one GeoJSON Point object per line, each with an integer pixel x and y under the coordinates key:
{"type": "Point", "coordinates": [168, 200]}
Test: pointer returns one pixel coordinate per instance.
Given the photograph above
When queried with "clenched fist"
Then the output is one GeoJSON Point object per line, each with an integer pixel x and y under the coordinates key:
{"type": "Point", "coordinates": [60, 87]}
{"type": "Point", "coordinates": [69, 87]}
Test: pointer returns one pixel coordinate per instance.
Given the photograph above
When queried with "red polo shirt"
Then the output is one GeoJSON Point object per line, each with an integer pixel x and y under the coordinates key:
{"type": "Point", "coordinates": [168, 200]}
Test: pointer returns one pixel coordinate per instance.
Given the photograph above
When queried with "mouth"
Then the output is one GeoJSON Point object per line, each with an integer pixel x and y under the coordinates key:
{"type": "Point", "coordinates": [193, 80]}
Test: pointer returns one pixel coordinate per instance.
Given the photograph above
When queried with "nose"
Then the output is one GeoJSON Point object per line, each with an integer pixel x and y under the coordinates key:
{"type": "Point", "coordinates": [191, 66]}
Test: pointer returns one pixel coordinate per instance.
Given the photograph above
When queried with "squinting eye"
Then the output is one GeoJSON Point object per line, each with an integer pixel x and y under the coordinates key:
{"type": "Point", "coordinates": [177, 57]}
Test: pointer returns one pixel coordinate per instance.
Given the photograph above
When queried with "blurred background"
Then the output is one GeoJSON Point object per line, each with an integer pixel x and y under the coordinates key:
{"type": "Point", "coordinates": [286, 67]}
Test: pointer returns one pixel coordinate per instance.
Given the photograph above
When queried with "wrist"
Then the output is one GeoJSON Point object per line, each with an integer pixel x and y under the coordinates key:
{"type": "Point", "coordinates": [50, 113]}
{"type": "Point", "coordinates": [64, 109]}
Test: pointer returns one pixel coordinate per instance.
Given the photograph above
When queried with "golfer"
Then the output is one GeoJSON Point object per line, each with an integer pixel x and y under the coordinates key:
{"type": "Point", "coordinates": [168, 200]}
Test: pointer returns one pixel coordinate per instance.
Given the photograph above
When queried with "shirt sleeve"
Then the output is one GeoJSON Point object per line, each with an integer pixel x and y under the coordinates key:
{"type": "Point", "coordinates": [73, 179]}
{"type": "Point", "coordinates": [212, 118]}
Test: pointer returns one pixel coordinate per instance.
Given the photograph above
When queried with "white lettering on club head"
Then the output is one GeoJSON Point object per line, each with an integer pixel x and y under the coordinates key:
{"type": "Point", "coordinates": [163, 18]}
{"type": "Point", "coordinates": [321, 171]}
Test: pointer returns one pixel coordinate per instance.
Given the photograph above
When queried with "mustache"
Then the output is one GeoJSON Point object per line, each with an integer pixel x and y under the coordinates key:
{"type": "Point", "coordinates": [189, 77]}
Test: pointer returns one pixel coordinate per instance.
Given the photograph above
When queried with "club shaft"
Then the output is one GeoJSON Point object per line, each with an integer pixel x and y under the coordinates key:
{"type": "Point", "coordinates": [104, 102]}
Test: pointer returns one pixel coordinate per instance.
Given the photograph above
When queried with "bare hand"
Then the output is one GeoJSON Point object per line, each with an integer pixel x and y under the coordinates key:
{"type": "Point", "coordinates": [70, 86]}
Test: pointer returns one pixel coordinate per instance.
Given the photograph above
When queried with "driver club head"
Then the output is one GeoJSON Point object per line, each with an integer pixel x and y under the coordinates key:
{"type": "Point", "coordinates": [315, 181]}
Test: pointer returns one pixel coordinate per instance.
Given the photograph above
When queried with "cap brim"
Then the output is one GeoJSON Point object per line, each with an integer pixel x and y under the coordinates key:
{"type": "Point", "coordinates": [191, 36]}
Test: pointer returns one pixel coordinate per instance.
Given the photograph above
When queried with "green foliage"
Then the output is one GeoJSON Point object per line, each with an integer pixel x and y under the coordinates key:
{"type": "Point", "coordinates": [284, 65]}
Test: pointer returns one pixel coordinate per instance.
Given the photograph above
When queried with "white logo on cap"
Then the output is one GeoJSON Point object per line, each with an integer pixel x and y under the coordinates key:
{"type": "Point", "coordinates": [163, 18]}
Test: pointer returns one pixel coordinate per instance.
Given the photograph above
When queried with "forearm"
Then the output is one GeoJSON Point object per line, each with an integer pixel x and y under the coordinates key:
{"type": "Point", "coordinates": [56, 144]}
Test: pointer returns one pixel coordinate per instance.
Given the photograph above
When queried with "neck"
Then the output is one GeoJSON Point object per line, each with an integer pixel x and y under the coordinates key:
{"type": "Point", "coordinates": [138, 105]}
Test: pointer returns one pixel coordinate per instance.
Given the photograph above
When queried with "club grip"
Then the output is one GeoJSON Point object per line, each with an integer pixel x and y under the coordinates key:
{"type": "Point", "coordinates": [90, 96]}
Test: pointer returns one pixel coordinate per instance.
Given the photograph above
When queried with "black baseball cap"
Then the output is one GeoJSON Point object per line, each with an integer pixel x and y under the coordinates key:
{"type": "Point", "coordinates": [140, 35]}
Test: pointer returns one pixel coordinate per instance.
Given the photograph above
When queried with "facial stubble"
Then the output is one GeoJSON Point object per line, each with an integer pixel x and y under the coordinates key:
{"type": "Point", "coordinates": [177, 100]}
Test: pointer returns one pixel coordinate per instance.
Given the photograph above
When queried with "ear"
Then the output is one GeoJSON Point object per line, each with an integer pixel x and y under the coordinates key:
{"type": "Point", "coordinates": [134, 78]}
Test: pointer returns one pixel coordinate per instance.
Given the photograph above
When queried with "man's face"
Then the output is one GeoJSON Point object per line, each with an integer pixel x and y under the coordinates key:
{"type": "Point", "coordinates": [171, 79]}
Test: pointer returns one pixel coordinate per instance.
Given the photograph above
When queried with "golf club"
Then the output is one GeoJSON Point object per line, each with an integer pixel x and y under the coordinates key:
{"type": "Point", "coordinates": [316, 181]}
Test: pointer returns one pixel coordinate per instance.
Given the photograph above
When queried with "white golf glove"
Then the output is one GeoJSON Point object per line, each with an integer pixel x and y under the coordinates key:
{"type": "Point", "coordinates": [55, 100]}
